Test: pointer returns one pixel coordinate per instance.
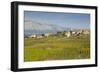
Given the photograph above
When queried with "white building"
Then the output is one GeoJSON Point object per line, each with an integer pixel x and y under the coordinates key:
{"type": "Point", "coordinates": [32, 36]}
{"type": "Point", "coordinates": [86, 32]}
{"type": "Point", "coordinates": [68, 34]}
{"type": "Point", "coordinates": [39, 36]}
{"type": "Point", "coordinates": [47, 34]}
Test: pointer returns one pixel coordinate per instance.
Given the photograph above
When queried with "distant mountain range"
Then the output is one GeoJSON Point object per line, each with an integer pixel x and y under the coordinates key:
{"type": "Point", "coordinates": [32, 27]}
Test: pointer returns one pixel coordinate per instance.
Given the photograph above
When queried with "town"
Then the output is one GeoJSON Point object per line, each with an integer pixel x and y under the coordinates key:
{"type": "Point", "coordinates": [68, 34]}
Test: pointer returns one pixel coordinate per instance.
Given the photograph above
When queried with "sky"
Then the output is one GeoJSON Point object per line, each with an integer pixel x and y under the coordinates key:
{"type": "Point", "coordinates": [68, 20]}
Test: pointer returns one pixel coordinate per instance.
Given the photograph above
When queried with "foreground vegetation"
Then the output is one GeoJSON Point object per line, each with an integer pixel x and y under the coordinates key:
{"type": "Point", "coordinates": [56, 48]}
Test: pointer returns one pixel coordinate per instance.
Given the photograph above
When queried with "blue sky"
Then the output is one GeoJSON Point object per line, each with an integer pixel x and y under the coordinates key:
{"type": "Point", "coordinates": [68, 20]}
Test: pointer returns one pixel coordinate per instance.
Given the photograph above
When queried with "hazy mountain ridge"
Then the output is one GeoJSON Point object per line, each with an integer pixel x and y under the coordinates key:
{"type": "Point", "coordinates": [33, 27]}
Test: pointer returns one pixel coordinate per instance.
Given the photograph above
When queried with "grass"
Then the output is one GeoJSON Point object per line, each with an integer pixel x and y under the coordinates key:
{"type": "Point", "coordinates": [56, 48]}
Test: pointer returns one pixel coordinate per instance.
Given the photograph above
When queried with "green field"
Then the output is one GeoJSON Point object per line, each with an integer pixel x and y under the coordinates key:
{"type": "Point", "coordinates": [56, 48]}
